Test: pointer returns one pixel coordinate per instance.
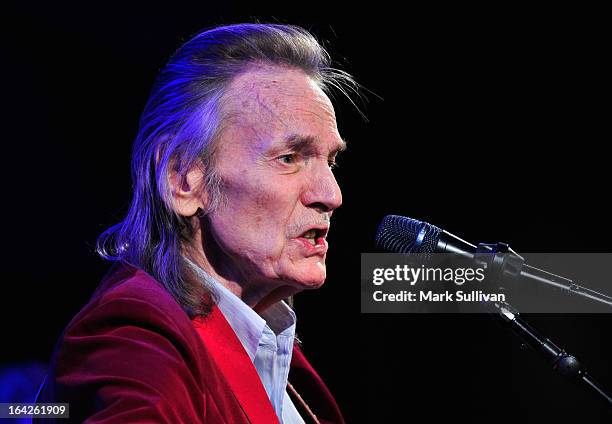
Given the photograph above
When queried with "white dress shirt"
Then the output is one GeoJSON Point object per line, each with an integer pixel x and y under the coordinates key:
{"type": "Point", "coordinates": [267, 339]}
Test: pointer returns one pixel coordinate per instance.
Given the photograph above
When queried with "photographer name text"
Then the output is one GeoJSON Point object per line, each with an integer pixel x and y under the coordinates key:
{"type": "Point", "coordinates": [431, 296]}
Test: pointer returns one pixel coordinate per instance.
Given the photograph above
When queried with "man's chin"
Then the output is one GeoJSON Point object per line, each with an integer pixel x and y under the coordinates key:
{"type": "Point", "coordinates": [314, 284]}
{"type": "Point", "coordinates": [312, 278]}
{"type": "Point", "coordinates": [309, 273]}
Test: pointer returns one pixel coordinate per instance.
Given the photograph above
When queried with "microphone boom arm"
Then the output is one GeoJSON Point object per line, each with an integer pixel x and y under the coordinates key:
{"type": "Point", "coordinates": [564, 284]}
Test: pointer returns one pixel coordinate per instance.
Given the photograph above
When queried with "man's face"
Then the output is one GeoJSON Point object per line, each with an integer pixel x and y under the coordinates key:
{"type": "Point", "coordinates": [279, 139]}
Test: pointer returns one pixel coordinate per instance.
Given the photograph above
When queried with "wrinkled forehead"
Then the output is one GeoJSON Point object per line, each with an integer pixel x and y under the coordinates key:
{"type": "Point", "coordinates": [272, 102]}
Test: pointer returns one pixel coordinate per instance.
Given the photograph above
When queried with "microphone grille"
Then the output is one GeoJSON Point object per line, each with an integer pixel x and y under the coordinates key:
{"type": "Point", "coordinates": [400, 234]}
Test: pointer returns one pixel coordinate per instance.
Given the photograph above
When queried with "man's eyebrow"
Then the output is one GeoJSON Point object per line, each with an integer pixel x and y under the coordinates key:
{"type": "Point", "coordinates": [307, 143]}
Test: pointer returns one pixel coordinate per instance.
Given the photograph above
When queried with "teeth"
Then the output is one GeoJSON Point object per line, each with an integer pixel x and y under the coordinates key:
{"type": "Point", "coordinates": [311, 235]}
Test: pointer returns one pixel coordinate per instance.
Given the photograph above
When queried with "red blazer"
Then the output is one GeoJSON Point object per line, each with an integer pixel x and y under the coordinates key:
{"type": "Point", "coordinates": [133, 355]}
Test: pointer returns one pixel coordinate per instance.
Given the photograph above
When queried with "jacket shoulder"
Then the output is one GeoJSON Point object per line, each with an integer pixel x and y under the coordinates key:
{"type": "Point", "coordinates": [130, 292]}
{"type": "Point", "coordinates": [130, 352]}
{"type": "Point", "coordinates": [128, 282]}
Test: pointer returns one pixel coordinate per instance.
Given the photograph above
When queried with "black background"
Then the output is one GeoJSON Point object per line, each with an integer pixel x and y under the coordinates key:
{"type": "Point", "coordinates": [490, 123]}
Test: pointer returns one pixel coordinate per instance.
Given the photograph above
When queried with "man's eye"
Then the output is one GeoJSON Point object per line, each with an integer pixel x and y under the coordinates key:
{"type": "Point", "coordinates": [287, 159]}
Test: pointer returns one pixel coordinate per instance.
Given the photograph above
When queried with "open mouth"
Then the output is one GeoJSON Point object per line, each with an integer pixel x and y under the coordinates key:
{"type": "Point", "coordinates": [315, 236]}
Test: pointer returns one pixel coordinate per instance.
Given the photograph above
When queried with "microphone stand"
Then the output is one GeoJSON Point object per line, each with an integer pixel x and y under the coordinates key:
{"type": "Point", "coordinates": [506, 264]}
{"type": "Point", "coordinates": [562, 362]}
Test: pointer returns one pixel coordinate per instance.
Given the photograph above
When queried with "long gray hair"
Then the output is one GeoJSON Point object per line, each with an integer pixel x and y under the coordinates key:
{"type": "Point", "coordinates": [179, 128]}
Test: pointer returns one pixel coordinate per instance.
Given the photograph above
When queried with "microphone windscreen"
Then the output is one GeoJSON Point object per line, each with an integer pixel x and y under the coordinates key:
{"type": "Point", "coordinates": [400, 234]}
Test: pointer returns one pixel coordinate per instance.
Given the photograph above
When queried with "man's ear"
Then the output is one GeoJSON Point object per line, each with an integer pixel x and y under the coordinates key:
{"type": "Point", "coordinates": [188, 193]}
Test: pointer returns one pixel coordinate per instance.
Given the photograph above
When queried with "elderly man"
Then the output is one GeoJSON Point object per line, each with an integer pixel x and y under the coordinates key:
{"type": "Point", "coordinates": [233, 198]}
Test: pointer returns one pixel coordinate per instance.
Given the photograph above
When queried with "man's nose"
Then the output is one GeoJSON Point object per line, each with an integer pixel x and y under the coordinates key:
{"type": "Point", "coordinates": [323, 192]}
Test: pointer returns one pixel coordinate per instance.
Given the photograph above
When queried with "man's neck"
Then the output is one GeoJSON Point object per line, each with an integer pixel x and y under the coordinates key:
{"type": "Point", "coordinates": [258, 296]}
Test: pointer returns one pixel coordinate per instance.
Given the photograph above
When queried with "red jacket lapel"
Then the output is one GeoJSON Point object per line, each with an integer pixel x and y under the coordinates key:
{"type": "Point", "coordinates": [236, 366]}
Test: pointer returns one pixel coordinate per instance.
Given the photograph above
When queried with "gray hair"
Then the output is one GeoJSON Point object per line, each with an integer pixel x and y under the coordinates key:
{"type": "Point", "coordinates": [179, 128]}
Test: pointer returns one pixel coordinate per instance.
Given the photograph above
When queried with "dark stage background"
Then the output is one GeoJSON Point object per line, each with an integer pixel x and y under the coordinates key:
{"type": "Point", "coordinates": [491, 123]}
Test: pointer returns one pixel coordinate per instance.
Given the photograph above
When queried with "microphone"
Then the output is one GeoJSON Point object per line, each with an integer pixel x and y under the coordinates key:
{"type": "Point", "coordinates": [399, 234]}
